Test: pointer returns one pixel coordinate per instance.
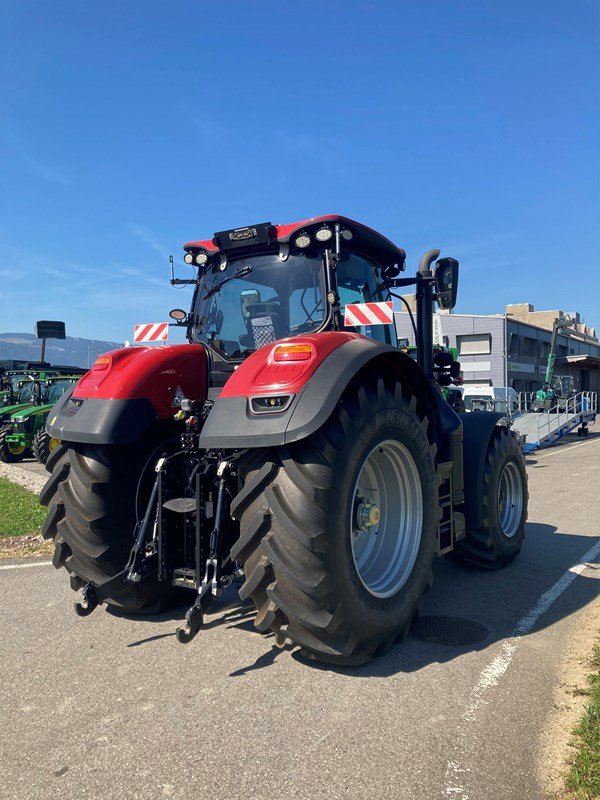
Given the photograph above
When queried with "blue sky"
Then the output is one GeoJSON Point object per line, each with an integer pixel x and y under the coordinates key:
{"type": "Point", "coordinates": [128, 128]}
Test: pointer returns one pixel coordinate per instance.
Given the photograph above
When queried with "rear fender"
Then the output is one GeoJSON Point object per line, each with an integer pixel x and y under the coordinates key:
{"type": "Point", "coordinates": [33, 411]}
{"type": "Point", "coordinates": [138, 386]}
{"type": "Point", "coordinates": [314, 391]}
{"type": "Point", "coordinates": [478, 429]}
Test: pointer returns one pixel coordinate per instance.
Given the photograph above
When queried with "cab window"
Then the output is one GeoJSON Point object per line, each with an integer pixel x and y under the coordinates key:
{"type": "Point", "coordinates": [360, 281]}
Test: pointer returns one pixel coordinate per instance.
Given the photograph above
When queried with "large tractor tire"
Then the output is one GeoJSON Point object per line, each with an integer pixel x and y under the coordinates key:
{"type": "Point", "coordinates": [505, 497]}
{"type": "Point", "coordinates": [338, 531]}
{"type": "Point", "coordinates": [43, 445]}
{"type": "Point", "coordinates": [95, 495]}
{"type": "Point", "coordinates": [10, 453]}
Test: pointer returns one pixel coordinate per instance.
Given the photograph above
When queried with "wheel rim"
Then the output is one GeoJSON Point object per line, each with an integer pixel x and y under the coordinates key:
{"type": "Point", "coordinates": [15, 449]}
{"type": "Point", "coordinates": [53, 444]}
{"type": "Point", "coordinates": [386, 518]}
{"type": "Point", "coordinates": [510, 499]}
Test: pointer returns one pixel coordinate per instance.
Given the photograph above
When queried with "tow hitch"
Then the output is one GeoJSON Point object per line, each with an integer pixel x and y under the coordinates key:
{"type": "Point", "coordinates": [143, 561]}
{"type": "Point", "coordinates": [213, 581]}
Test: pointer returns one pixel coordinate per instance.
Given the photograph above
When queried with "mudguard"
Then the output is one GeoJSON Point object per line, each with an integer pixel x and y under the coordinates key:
{"type": "Point", "coordinates": [312, 390]}
{"type": "Point", "coordinates": [126, 391]}
{"type": "Point", "coordinates": [478, 429]}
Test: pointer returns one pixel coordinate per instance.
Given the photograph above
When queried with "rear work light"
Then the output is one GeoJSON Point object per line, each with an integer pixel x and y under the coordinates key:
{"type": "Point", "coordinates": [324, 234]}
{"type": "Point", "coordinates": [102, 362]}
{"type": "Point", "coordinates": [292, 352]}
{"type": "Point", "coordinates": [302, 241]}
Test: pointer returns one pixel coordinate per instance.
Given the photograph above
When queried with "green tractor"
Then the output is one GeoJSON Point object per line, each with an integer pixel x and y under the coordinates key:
{"type": "Point", "coordinates": [25, 394]}
{"type": "Point", "coordinates": [13, 380]}
{"type": "Point", "coordinates": [447, 357]}
{"type": "Point", "coordinates": [5, 385]}
{"type": "Point", "coordinates": [24, 431]}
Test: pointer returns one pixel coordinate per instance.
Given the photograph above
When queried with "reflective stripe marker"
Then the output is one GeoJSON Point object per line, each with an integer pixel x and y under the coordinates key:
{"type": "Point", "coordinates": [369, 314]}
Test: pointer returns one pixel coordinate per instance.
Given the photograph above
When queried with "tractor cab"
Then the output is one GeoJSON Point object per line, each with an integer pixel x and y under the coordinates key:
{"type": "Point", "coordinates": [563, 386]}
{"type": "Point", "coordinates": [260, 284]}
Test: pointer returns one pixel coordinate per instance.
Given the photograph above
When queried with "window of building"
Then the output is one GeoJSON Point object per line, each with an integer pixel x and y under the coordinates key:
{"type": "Point", "coordinates": [528, 346]}
{"type": "Point", "coordinates": [473, 344]}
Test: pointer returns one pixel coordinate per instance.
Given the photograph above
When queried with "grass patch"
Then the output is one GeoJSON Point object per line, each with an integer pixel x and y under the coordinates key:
{"type": "Point", "coordinates": [584, 775]}
{"type": "Point", "coordinates": [20, 511]}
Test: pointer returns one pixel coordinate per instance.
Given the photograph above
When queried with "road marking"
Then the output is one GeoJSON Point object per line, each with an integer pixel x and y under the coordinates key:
{"type": "Point", "coordinates": [565, 449]}
{"type": "Point", "coordinates": [491, 674]}
{"type": "Point", "coordinates": [23, 566]}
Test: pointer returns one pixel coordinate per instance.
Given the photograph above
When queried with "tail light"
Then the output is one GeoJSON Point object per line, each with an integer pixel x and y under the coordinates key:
{"type": "Point", "coordinates": [292, 352]}
{"type": "Point", "coordinates": [102, 362]}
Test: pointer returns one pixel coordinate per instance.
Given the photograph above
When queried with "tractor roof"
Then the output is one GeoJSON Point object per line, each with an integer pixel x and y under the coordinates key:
{"type": "Point", "coordinates": [364, 238]}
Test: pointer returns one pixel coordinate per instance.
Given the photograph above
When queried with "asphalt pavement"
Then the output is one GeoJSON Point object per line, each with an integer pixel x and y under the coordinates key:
{"type": "Point", "coordinates": [112, 707]}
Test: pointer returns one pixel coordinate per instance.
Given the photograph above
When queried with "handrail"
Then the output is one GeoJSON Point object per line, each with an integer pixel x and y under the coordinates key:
{"type": "Point", "coordinates": [553, 423]}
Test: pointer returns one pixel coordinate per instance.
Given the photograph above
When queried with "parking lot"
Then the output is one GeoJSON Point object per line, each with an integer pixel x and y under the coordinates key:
{"type": "Point", "coordinates": [114, 707]}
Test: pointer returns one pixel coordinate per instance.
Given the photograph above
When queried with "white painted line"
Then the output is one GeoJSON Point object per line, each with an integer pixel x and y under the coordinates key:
{"type": "Point", "coordinates": [564, 449]}
{"type": "Point", "coordinates": [23, 566]}
{"type": "Point", "coordinates": [490, 675]}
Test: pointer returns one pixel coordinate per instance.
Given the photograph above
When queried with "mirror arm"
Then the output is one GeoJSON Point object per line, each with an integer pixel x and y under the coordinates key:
{"type": "Point", "coordinates": [396, 282]}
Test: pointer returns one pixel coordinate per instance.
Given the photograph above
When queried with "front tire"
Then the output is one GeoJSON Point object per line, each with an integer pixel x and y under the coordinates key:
{"type": "Point", "coordinates": [303, 508]}
{"type": "Point", "coordinates": [94, 497]}
{"type": "Point", "coordinates": [10, 453]}
{"type": "Point", "coordinates": [500, 538]}
{"type": "Point", "coordinates": [43, 445]}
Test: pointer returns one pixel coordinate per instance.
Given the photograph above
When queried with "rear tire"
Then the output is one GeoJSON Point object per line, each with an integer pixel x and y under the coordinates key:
{"type": "Point", "coordinates": [298, 515]}
{"type": "Point", "coordinates": [500, 538]}
{"type": "Point", "coordinates": [43, 445]}
{"type": "Point", "coordinates": [9, 453]}
{"type": "Point", "coordinates": [93, 508]}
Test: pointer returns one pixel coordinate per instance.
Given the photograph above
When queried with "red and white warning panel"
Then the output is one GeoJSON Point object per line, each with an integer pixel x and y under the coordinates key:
{"type": "Point", "coordinates": [151, 332]}
{"type": "Point", "coordinates": [369, 314]}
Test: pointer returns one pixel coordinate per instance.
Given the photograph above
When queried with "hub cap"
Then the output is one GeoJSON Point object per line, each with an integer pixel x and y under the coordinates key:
{"type": "Point", "coordinates": [510, 499]}
{"type": "Point", "coordinates": [53, 444]}
{"type": "Point", "coordinates": [386, 519]}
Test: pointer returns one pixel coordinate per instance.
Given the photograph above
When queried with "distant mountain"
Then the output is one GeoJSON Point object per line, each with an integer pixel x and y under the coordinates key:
{"type": "Point", "coordinates": [71, 351]}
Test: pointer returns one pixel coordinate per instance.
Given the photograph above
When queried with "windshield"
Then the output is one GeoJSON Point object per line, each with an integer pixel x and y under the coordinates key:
{"type": "Point", "coordinates": [563, 384]}
{"type": "Point", "coordinates": [56, 390]}
{"type": "Point", "coordinates": [27, 392]}
{"type": "Point", "coordinates": [260, 299]}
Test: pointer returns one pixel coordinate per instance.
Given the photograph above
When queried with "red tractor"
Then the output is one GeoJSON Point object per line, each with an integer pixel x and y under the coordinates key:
{"type": "Point", "coordinates": [290, 444]}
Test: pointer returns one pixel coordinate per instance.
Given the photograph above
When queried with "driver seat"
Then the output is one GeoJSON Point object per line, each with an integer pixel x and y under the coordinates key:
{"type": "Point", "coordinates": [264, 324]}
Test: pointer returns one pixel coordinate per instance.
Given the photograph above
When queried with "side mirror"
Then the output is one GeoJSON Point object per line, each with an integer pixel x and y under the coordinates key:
{"type": "Point", "coordinates": [446, 282]}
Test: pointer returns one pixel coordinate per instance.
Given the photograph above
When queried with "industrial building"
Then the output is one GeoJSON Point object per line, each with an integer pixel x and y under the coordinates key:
{"type": "Point", "coordinates": [511, 349]}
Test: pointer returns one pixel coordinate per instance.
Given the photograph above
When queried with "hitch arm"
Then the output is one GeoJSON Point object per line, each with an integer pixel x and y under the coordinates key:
{"type": "Point", "coordinates": [96, 594]}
